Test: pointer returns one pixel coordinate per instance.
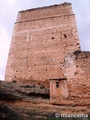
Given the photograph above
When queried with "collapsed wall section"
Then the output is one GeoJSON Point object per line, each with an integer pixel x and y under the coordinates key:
{"type": "Point", "coordinates": [77, 71]}
{"type": "Point", "coordinates": [41, 39]}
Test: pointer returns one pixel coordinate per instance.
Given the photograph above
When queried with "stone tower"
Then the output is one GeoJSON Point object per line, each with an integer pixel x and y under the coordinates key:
{"type": "Point", "coordinates": [41, 39]}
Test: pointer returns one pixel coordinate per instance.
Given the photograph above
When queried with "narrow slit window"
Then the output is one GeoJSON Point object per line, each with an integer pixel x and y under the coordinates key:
{"type": "Point", "coordinates": [57, 84]}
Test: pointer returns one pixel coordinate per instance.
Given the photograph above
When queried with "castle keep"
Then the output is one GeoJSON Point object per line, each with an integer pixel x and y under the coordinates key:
{"type": "Point", "coordinates": [45, 48]}
{"type": "Point", "coordinates": [42, 37]}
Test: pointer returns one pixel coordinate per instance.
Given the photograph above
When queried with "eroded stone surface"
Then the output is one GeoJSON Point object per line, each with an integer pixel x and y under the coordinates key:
{"type": "Point", "coordinates": [41, 39]}
{"type": "Point", "coordinates": [44, 46]}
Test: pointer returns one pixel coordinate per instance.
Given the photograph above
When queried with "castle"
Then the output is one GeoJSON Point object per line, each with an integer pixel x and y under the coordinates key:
{"type": "Point", "coordinates": [45, 49]}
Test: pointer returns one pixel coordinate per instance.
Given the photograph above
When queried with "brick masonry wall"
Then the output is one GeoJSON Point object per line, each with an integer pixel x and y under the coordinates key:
{"type": "Point", "coordinates": [77, 71]}
{"type": "Point", "coordinates": [41, 39]}
{"type": "Point", "coordinates": [45, 12]}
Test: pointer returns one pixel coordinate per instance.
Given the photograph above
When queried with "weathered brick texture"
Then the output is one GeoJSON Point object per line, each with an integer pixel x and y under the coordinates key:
{"type": "Point", "coordinates": [45, 45]}
{"type": "Point", "coordinates": [41, 39]}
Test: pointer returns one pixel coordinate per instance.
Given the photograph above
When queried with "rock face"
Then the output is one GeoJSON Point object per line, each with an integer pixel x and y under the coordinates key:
{"type": "Point", "coordinates": [41, 39]}
{"type": "Point", "coordinates": [18, 101]}
{"type": "Point", "coordinates": [8, 113]}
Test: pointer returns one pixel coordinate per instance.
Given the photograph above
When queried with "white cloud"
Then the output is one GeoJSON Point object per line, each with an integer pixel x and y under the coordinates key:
{"type": "Point", "coordinates": [87, 43]}
{"type": "Point", "coordinates": [1, 77]}
{"type": "Point", "coordinates": [4, 37]}
{"type": "Point", "coordinates": [9, 3]}
{"type": "Point", "coordinates": [4, 48]}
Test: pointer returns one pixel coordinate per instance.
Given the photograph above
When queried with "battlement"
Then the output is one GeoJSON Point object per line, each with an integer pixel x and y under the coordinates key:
{"type": "Point", "coordinates": [45, 12]}
{"type": "Point", "coordinates": [63, 4]}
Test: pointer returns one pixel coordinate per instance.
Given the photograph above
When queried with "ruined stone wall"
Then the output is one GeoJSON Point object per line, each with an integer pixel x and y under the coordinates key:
{"type": "Point", "coordinates": [41, 39]}
{"type": "Point", "coordinates": [77, 71]}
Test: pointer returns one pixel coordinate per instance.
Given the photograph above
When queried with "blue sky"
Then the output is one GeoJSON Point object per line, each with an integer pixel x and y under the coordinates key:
{"type": "Point", "coordinates": [8, 13]}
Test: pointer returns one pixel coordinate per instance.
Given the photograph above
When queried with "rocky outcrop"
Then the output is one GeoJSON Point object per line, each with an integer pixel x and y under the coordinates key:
{"type": "Point", "coordinates": [18, 91]}
{"type": "Point", "coordinates": [8, 113]}
{"type": "Point", "coordinates": [8, 93]}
